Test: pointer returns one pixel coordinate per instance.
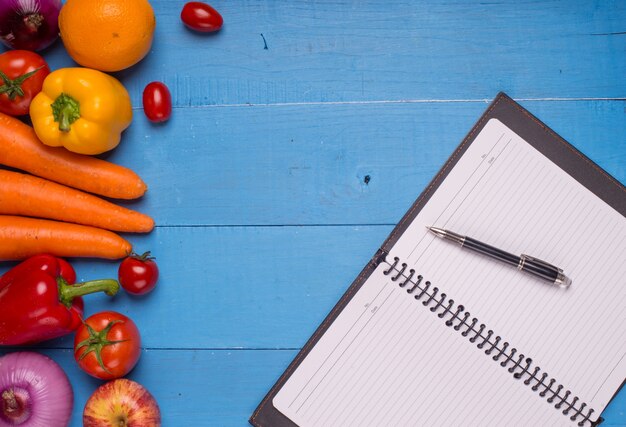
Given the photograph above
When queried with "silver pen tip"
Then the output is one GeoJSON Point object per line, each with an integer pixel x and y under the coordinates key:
{"type": "Point", "coordinates": [439, 232]}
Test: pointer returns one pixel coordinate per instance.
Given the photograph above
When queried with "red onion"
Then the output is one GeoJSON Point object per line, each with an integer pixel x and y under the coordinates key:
{"type": "Point", "coordinates": [34, 391]}
{"type": "Point", "coordinates": [29, 24]}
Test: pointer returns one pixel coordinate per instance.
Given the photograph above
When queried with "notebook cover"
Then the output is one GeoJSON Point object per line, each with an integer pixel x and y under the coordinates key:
{"type": "Point", "coordinates": [530, 129]}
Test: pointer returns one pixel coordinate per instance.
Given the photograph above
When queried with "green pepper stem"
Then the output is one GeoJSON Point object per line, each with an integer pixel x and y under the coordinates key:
{"type": "Point", "coordinates": [66, 110]}
{"type": "Point", "coordinates": [68, 292]}
{"type": "Point", "coordinates": [64, 123]}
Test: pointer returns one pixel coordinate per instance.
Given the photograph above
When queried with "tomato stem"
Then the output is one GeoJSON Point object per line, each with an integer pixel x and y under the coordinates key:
{"type": "Point", "coordinates": [96, 342]}
{"type": "Point", "coordinates": [143, 257]}
{"type": "Point", "coordinates": [13, 88]}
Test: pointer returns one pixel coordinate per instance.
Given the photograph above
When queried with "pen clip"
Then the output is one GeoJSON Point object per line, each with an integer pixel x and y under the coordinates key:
{"type": "Point", "coordinates": [524, 258]}
{"type": "Point", "coordinates": [561, 279]}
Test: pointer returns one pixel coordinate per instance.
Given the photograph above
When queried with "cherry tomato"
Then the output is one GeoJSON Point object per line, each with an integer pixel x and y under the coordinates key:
{"type": "Point", "coordinates": [201, 17]}
{"type": "Point", "coordinates": [107, 345]}
{"type": "Point", "coordinates": [23, 73]}
{"type": "Point", "coordinates": [138, 274]}
{"type": "Point", "coordinates": [157, 102]}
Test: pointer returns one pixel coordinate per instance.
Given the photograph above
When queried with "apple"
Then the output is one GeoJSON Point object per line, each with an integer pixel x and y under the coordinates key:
{"type": "Point", "coordinates": [121, 403]}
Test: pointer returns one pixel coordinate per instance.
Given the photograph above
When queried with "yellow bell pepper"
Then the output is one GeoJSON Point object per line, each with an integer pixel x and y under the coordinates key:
{"type": "Point", "coordinates": [81, 109]}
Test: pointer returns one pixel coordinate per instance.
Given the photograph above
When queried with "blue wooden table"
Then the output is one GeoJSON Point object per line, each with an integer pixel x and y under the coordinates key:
{"type": "Point", "coordinates": [300, 135]}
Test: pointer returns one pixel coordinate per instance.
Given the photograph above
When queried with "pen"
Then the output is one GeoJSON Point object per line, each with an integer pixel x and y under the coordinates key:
{"type": "Point", "coordinates": [526, 263]}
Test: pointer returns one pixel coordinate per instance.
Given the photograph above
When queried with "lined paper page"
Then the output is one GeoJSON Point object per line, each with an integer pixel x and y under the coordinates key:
{"type": "Point", "coordinates": [515, 198]}
{"type": "Point", "coordinates": [388, 360]}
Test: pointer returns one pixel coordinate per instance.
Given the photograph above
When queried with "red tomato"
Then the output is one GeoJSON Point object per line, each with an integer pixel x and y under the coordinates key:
{"type": "Point", "coordinates": [107, 345]}
{"type": "Point", "coordinates": [138, 274]}
{"type": "Point", "coordinates": [201, 17]}
{"type": "Point", "coordinates": [22, 79]}
{"type": "Point", "coordinates": [157, 102]}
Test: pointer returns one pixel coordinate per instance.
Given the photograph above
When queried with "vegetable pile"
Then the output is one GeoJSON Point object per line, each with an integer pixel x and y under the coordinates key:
{"type": "Point", "coordinates": [40, 197]}
{"type": "Point", "coordinates": [57, 201]}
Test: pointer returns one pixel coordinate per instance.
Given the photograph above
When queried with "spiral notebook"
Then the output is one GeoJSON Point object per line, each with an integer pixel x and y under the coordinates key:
{"type": "Point", "coordinates": [430, 334]}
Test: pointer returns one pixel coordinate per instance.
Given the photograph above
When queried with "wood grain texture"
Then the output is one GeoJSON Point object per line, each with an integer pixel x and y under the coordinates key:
{"type": "Point", "coordinates": [370, 50]}
{"type": "Point", "coordinates": [301, 133]}
{"type": "Point", "coordinates": [308, 164]}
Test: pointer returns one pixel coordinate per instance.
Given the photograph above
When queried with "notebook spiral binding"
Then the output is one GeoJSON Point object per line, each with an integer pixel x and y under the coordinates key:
{"type": "Point", "coordinates": [520, 365]}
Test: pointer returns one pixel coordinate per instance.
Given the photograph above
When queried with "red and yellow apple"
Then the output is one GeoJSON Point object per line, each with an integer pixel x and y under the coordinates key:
{"type": "Point", "coordinates": [121, 403]}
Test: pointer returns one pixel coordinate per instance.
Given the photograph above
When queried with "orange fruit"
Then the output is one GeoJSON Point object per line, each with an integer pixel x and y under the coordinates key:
{"type": "Point", "coordinates": [108, 35]}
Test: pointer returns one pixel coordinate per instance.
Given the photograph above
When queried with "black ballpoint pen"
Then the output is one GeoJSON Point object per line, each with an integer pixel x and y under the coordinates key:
{"type": "Point", "coordinates": [526, 263]}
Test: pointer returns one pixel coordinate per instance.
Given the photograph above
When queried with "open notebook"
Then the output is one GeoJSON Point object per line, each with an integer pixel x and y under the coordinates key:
{"type": "Point", "coordinates": [431, 334]}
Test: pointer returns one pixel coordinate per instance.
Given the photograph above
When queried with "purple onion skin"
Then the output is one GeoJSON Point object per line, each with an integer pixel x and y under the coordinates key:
{"type": "Point", "coordinates": [34, 391]}
{"type": "Point", "coordinates": [29, 24]}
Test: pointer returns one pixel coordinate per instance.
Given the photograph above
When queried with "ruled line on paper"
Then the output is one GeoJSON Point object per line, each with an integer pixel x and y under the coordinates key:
{"type": "Point", "coordinates": [345, 350]}
{"type": "Point", "coordinates": [330, 354]}
{"type": "Point", "coordinates": [476, 169]}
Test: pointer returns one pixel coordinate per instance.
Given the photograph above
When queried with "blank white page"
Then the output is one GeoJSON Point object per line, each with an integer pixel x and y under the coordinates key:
{"type": "Point", "coordinates": [388, 360]}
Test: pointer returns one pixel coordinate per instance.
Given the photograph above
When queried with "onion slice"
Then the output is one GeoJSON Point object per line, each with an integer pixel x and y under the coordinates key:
{"type": "Point", "coordinates": [34, 391]}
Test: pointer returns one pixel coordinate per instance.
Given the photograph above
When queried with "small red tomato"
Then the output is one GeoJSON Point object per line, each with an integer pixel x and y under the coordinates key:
{"type": "Point", "coordinates": [107, 345]}
{"type": "Point", "coordinates": [201, 17]}
{"type": "Point", "coordinates": [157, 102]}
{"type": "Point", "coordinates": [138, 274]}
{"type": "Point", "coordinates": [23, 73]}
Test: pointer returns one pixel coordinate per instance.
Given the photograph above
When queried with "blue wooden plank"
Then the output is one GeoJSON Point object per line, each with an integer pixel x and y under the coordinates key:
{"type": "Point", "coordinates": [214, 387]}
{"type": "Point", "coordinates": [358, 51]}
{"type": "Point", "coordinates": [308, 164]}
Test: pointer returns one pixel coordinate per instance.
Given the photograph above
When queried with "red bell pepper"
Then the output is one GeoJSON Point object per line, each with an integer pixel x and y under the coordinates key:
{"type": "Point", "coordinates": [39, 300]}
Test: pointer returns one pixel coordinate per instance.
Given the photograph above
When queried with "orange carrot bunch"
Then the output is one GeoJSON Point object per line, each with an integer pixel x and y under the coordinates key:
{"type": "Point", "coordinates": [52, 211]}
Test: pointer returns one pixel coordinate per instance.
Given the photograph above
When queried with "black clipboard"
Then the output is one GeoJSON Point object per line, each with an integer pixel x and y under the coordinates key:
{"type": "Point", "coordinates": [537, 134]}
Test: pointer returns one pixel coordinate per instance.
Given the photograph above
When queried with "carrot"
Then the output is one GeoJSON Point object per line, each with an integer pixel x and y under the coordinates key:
{"type": "Point", "coordinates": [22, 237]}
{"type": "Point", "coordinates": [22, 194]}
{"type": "Point", "coordinates": [20, 148]}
